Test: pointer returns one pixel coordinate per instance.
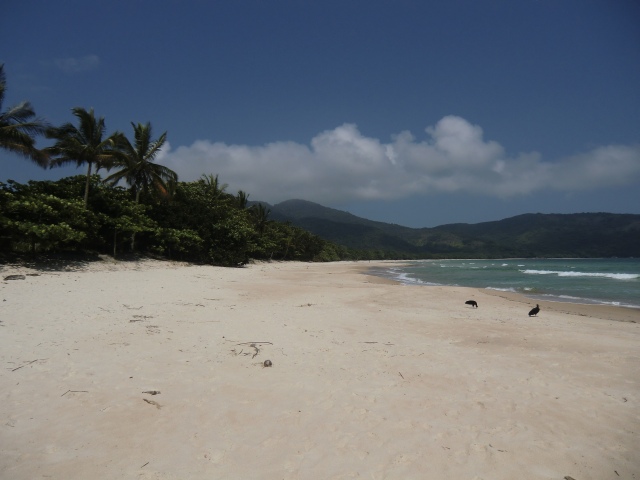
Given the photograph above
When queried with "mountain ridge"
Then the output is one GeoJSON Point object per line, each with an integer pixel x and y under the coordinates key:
{"type": "Point", "coordinates": [586, 234]}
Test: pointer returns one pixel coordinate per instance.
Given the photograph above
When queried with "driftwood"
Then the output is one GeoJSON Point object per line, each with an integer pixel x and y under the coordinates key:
{"type": "Point", "coordinates": [28, 363]}
{"type": "Point", "coordinates": [131, 308]}
{"type": "Point", "coordinates": [253, 345]}
{"type": "Point", "coordinates": [151, 402]}
{"type": "Point", "coordinates": [15, 277]}
{"type": "Point", "coordinates": [74, 391]}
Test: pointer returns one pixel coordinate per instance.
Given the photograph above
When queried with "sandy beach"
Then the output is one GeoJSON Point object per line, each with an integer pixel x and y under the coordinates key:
{"type": "Point", "coordinates": [369, 379]}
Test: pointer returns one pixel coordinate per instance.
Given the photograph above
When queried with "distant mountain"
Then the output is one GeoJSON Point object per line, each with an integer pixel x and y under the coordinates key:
{"type": "Point", "coordinates": [528, 235]}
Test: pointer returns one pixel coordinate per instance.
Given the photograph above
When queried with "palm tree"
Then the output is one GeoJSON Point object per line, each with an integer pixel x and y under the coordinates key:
{"type": "Point", "coordinates": [83, 144]}
{"type": "Point", "coordinates": [260, 216]}
{"type": "Point", "coordinates": [18, 127]}
{"type": "Point", "coordinates": [135, 163]}
{"type": "Point", "coordinates": [243, 199]}
{"type": "Point", "coordinates": [136, 167]}
{"type": "Point", "coordinates": [217, 189]}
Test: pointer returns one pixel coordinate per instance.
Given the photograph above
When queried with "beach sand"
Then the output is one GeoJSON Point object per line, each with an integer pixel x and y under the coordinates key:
{"type": "Point", "coordinates": [369, 379]}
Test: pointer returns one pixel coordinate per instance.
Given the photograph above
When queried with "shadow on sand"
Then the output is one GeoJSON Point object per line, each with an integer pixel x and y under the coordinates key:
{"type": "Point", "coordinates": [63, 262]}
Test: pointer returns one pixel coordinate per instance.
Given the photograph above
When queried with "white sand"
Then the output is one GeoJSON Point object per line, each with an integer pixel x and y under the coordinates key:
{"type": "Point", "coordinates": [369, 379]}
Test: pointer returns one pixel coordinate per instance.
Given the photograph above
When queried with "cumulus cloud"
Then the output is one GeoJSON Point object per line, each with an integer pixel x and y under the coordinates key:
{"type": "Point", "coordinates": [77, 64]}
{"type": "Point", "coordinates": [342, 165]}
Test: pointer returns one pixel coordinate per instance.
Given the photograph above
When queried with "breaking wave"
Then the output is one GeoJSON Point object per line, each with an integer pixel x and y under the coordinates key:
{"type": "Point", "coordinates": [615, 276]}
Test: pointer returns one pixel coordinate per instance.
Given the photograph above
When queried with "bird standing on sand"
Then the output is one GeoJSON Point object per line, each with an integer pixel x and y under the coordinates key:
{"type": "Point", "coordinates": [534, 311]}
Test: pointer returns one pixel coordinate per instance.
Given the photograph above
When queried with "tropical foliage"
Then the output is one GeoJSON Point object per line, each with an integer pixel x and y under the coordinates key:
{"type": "Point", "coordinates": [19, 126]}
{"type": "Point", "coordinates": [199, 224]}
{"type": "Point", "coordinates": [83, 145]}
{"type": "Point", "coordinates": [140, 207]}
{"type": "Point", "coordinates": [135, 163]}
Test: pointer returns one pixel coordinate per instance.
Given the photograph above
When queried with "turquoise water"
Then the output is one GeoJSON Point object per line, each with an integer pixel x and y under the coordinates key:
{"type": "Point", "coordinates": [593, 281]}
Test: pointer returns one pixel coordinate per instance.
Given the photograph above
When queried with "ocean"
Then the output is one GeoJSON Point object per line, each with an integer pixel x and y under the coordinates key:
{"type": "Point", "coordinates": [590, 281]}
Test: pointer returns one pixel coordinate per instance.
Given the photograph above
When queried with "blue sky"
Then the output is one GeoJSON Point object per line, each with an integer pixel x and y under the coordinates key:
{"type": "Point", "coordinates": [413, 112]}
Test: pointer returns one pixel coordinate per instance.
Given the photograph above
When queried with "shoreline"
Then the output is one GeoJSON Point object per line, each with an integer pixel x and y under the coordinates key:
{"type": "Point", "coordinates": [602, 312]}
{"type": "Point", "coordinates": [599, 311]}
{"type": "Point", "coordinates": [622, 313]}
{"type": "Point", "coordinates": [369, 378]}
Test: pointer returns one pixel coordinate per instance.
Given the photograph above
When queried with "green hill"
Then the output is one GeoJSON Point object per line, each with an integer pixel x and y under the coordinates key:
{"type": "Point", "coordinates": [528, 235]}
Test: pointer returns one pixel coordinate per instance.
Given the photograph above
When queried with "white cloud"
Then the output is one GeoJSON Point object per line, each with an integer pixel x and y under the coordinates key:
{"type": "Point", "coordinates": [342, 165]}
{"type": "Point", "coordinates": [77, 64]}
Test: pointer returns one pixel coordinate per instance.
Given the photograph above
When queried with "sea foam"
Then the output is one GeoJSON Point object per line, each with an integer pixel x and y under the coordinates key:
{"type": "Point", "coordinates": [615, 276]}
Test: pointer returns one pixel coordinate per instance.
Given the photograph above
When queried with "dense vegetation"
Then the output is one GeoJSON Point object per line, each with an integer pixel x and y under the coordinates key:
{"type": "Point", "coordinates": [195, 221]}
{"type": "Point", "coordinates": [199, 223]}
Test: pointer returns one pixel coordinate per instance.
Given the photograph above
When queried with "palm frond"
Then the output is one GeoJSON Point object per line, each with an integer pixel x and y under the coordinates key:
{"type": "Point", "coordinates": [84, 143]}
{"type": "Point", "coordinates": [18, 127]}
{"type": "Point", "coordinates": [135, 162]}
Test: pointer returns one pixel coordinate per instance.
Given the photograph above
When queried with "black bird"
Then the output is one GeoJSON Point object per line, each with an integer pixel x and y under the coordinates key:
{"type": "Point", "coordinates": [473, 303]}
{"type": "Point", "coordinates": [534, 311]}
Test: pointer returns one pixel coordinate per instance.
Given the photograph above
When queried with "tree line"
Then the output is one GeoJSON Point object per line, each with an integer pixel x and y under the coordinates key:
{"type": "Point", "coordinates": [155, 214]}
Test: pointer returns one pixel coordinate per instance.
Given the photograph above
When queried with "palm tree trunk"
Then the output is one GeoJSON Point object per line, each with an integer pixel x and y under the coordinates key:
{"type": "Point", "coordinates": [86, 188]}
{"type": "Point", "coordinates": [133, 235]}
